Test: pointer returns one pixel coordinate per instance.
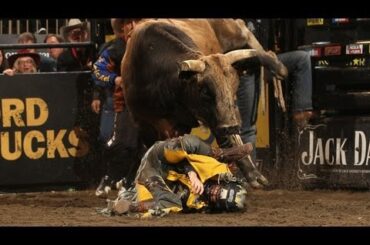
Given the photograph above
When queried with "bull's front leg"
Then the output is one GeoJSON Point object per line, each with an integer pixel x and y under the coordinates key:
{"type": "Point", "coordinates": [246, 165]}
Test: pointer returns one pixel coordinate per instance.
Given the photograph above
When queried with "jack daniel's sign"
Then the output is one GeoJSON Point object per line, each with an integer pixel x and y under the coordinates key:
{"type": "Point", "coordinates": [336, 152]}
{"type": "Point", "coordinates": [333, 151]}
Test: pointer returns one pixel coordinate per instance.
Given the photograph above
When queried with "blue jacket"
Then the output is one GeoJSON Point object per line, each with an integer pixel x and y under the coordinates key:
{"type": "Point", "coordinates": [107, 67]}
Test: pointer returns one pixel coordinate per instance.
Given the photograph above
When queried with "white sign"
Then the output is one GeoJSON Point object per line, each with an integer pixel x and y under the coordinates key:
{"type": "Point", "coordinates": [333, 151]}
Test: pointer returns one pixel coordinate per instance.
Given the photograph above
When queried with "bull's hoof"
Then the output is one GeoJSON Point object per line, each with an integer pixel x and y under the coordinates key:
{"type": "Point", "coordinates": [281, 71]}
{"type": "Point", "coordinates": [271, 61]}
{"type": "Point", "coordinates": [256, 179]}
{"type": "Point", "coordinates": [255, 184]}
{"type": "Point", "coordinates": [278, 70]}
{"type": "Point", "coordinates": [262, 179]}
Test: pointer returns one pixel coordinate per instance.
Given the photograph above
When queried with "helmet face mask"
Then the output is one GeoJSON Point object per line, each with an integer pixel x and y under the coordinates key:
{"type": "Point", "coordinates": [225, 196]}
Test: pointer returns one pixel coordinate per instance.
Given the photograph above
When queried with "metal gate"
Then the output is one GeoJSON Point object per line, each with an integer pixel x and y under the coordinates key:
{"type": "Point", "coordinates": [38, 26]}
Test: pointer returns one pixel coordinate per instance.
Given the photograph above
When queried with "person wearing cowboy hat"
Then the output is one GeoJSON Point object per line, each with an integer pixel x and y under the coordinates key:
{"type": "Point", "coordinates": [47, 64]}
{"type": "Point", "coordinates": [23, 61]}
{"type": "Point", "coordinates": [75, 59]}
{"type": "Point", "coordinates": [75, 31]}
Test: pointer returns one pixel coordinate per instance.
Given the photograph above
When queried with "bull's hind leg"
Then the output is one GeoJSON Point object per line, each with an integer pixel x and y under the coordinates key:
{"type": "Point", "coordinates": [271, 61]}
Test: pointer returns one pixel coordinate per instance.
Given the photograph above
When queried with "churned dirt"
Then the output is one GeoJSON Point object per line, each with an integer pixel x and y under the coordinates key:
{"type": "Point", "coordinates": [265, 208]}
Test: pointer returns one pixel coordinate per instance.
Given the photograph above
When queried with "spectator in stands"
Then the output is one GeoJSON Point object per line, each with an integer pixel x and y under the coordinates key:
{"type": "Point", "coordinates": [46, 64]}
{"type": "Point", "coordinates": [77, 58]}
{"type": "Point", "coordinates": [3, 62]}
{"type": "Point", "coordinates": [54, 39]}
{"type": "Point", "coordinates": [23, 62]}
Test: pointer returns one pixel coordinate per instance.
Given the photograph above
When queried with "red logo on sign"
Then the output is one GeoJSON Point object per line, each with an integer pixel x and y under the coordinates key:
{"type": "Point", "coordinates": [333, 50]}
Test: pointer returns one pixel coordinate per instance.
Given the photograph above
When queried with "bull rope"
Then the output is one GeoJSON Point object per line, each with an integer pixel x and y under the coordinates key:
{"type": "Point", "coordinates": [278, 93]}
{"type": "Point", "coordinates": [263, 90]}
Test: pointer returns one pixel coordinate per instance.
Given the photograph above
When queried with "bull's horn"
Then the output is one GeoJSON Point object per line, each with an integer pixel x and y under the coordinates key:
{"type": "Point", "coordinates": [236, 55]}
{"type": "Point", "coordinates": [193, 65]}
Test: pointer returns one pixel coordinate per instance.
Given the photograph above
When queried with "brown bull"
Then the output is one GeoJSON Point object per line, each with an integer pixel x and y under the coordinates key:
{"type": "Point", "coordinates": [179, 72]}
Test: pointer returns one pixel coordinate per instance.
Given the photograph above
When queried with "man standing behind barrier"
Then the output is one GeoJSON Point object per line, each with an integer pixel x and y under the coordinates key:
{"type": "Point", "coordinates": [105, 76]}
{"type": "Point", "coordinates": [121, 154]}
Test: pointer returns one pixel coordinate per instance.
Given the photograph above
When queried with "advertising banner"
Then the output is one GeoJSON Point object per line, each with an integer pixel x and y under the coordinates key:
{"type": "Point", "coordinates": [42, 133]}
{"type": "Point", "coordinates": [336, 152]}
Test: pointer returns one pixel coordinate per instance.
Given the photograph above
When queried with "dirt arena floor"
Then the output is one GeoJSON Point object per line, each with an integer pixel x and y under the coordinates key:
{"type": "Point", "coordinates": [265, 208]}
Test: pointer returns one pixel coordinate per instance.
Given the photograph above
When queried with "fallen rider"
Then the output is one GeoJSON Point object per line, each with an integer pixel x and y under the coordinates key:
{"type": "Point", "coordinates": [185, 174]}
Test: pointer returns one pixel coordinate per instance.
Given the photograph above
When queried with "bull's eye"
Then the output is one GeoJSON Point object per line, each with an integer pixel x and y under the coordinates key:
{"type": "Point", "coordinates": [204, 90]}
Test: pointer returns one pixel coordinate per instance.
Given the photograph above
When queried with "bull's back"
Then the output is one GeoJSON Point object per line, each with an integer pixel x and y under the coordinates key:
{"type": "Point", "coordinates": [214, 35]}
{"type": "Point", "coordinates": [200, 31]}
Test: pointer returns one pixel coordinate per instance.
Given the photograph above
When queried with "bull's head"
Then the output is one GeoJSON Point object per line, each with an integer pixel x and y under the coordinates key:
{"type": "Point", "coordinates": [217, 82]}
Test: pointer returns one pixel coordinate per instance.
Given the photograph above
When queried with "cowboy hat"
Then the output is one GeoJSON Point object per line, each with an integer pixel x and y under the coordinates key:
{"type": "Point", "coordinates": [73, 24]}
{"type": "Point", "coordinates": [24, 53]}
